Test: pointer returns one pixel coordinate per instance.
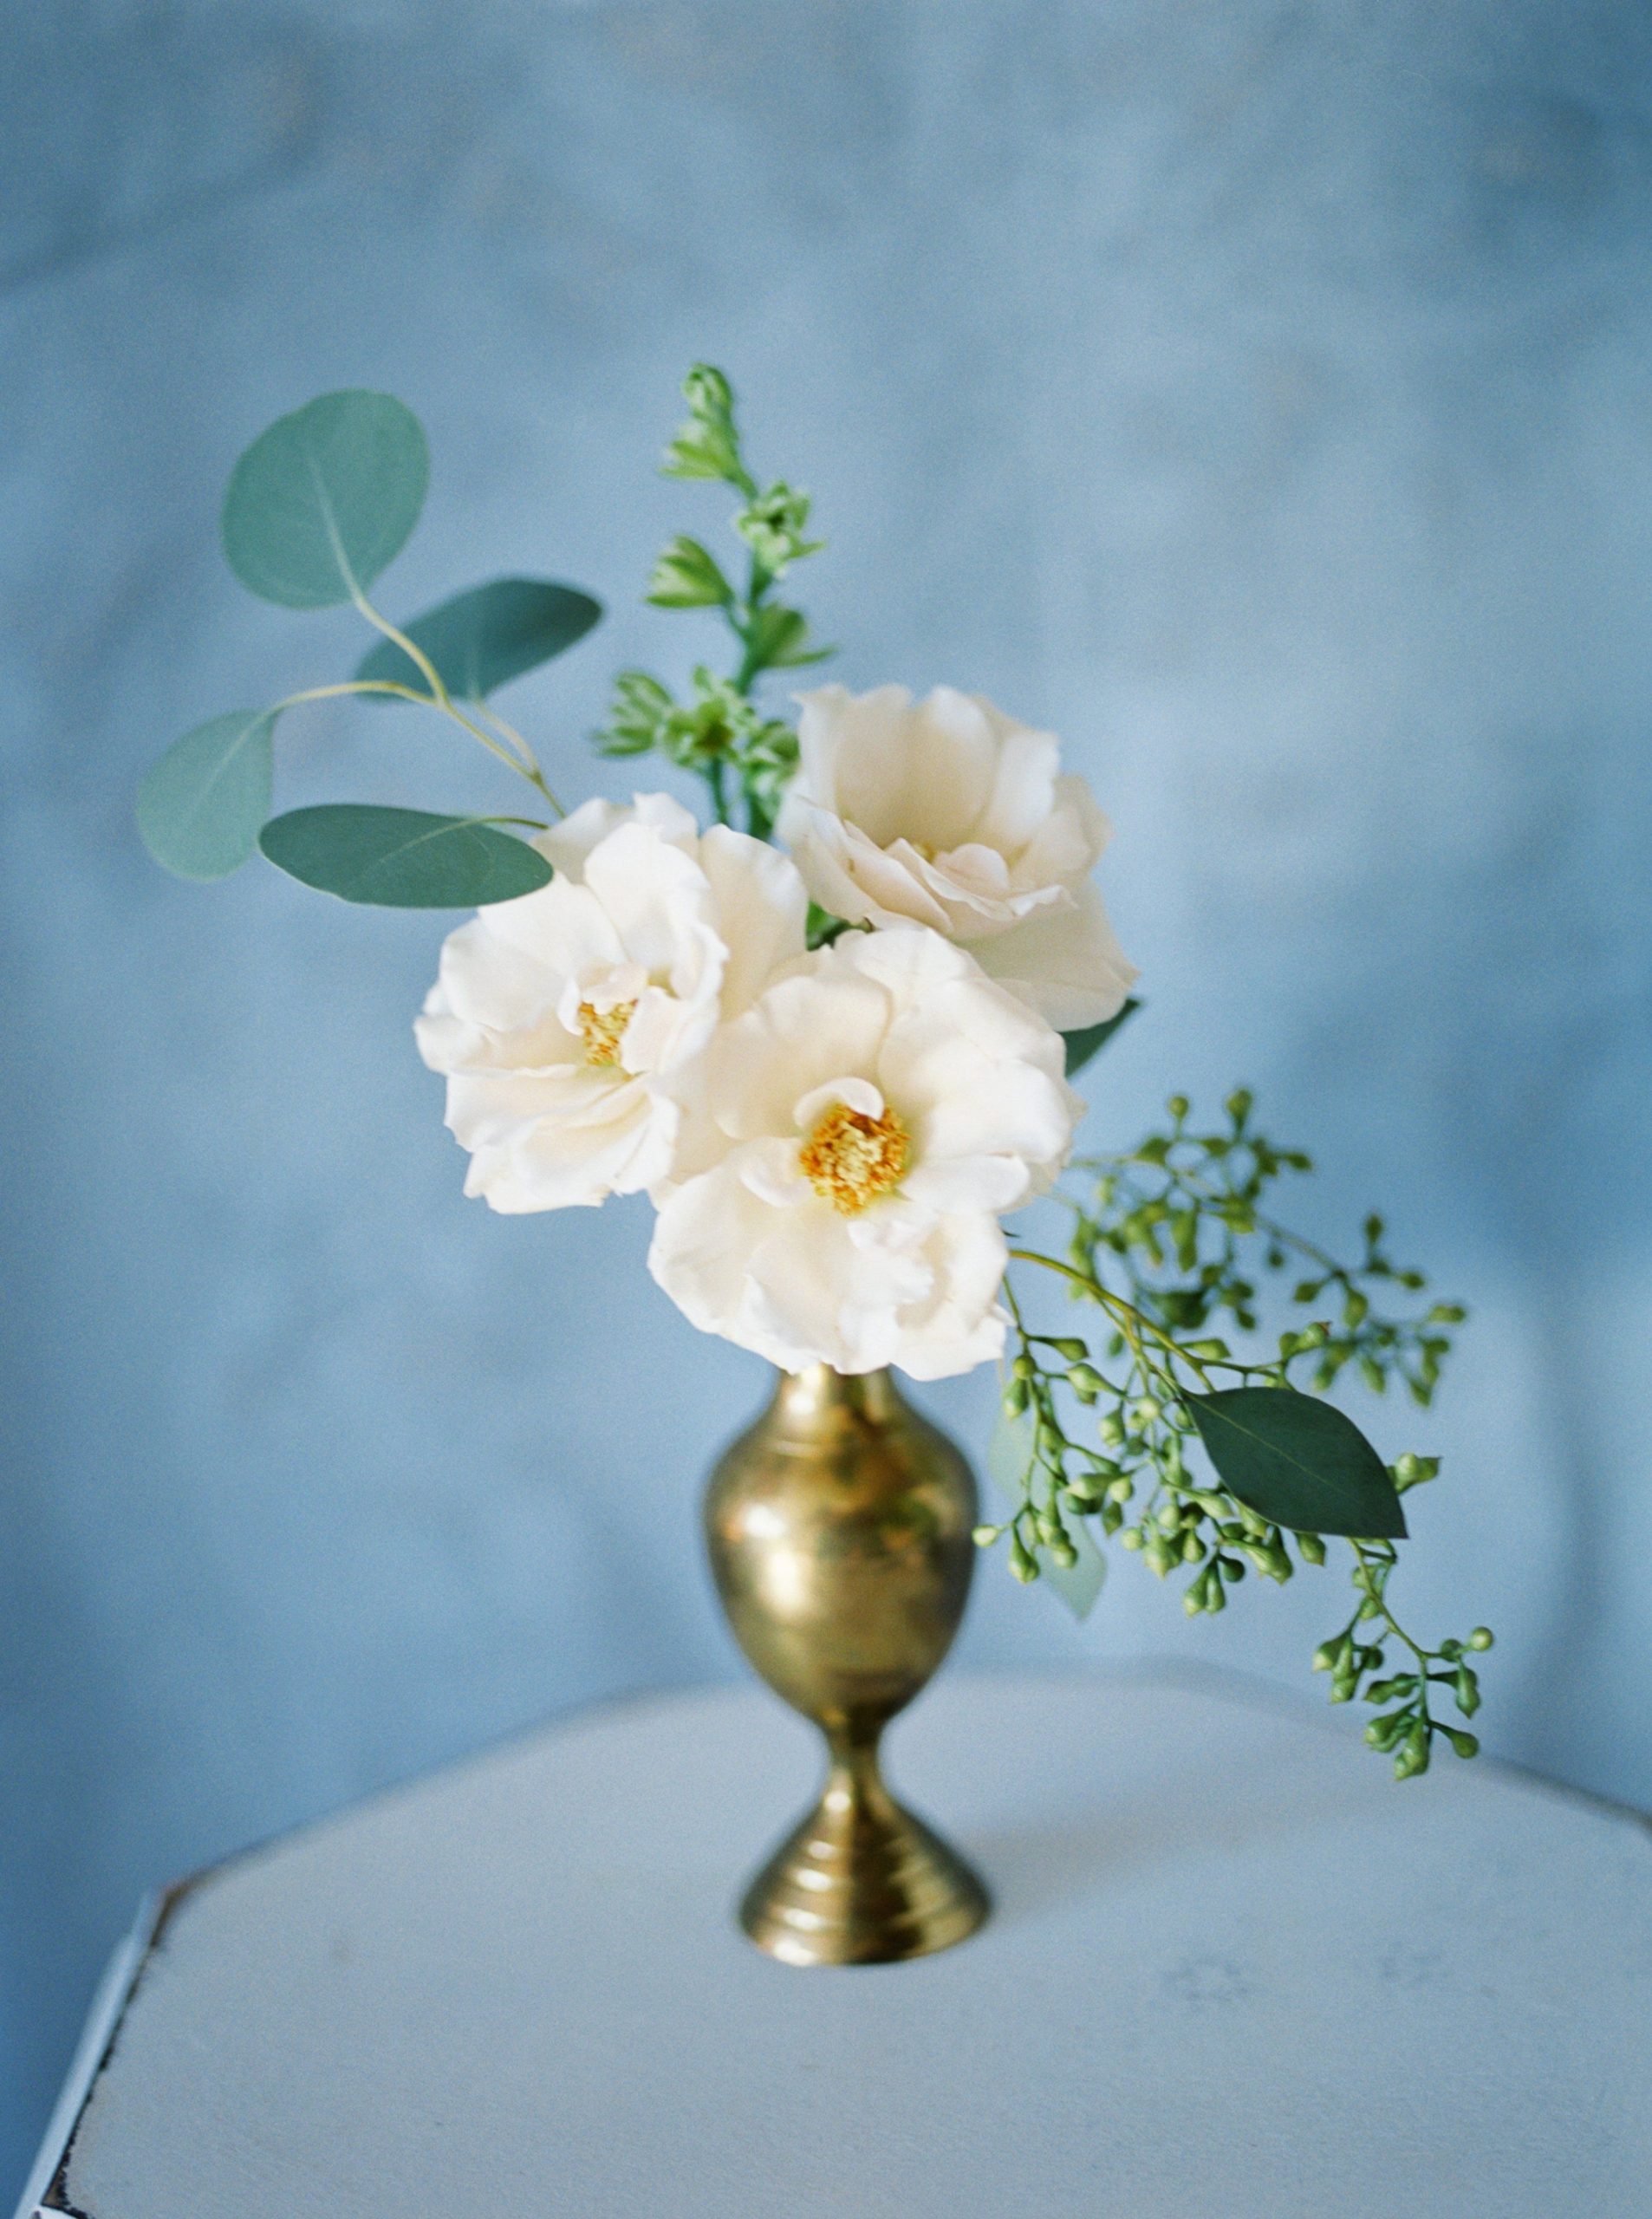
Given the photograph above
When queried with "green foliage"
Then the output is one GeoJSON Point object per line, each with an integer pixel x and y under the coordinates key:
{"type": "Point", "coordinates": [324, 499]}
{"type": "Point", "coordinates": [200, 807]}
{"type": "Point", "coordinates": [745, 757]}
{"type": "Point", "coordinates": [478, 640]}
{"type": "Point", "coordinates": [1082, 1046]}
{"type": "Point", "coordinates": [687, 576]}
{"type": "Point", "coordinates": [717, 733]}
{"type": "Point", "coordinates": [1171, 1239]}
{"type": "Point", "coordinates": [772, 527]}
{"type": "Point", "coordinates": [403, 858]}
{"type": "Point", "coordinates": [1299, 1462]}
{"type": "Point", "coordinates": [707, 445]}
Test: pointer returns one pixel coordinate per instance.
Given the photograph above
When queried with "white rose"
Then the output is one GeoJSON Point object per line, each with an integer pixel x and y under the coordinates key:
{"type": "Point", "coordinates": [871, 1116]}
{"type": "Point", "coordinates": [947, 813]}
{"type": "Point", "coordinates": [564, 1020]}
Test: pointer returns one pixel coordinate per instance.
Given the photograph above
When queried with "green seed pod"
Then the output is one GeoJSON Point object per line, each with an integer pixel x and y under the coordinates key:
{"type": "Point", "coordinates": [1065, 1554]}
{"type": "Point", "coordinates": [1230, 1568]}
{"type": "Point", "coordinates": [1482, 1638]}
{"type": "Point", "coordinates": [1071, 1352]}
{"type": "Point", "coordinates": [1023, 1563]}
{"type": "Point", "coordinates": [1326, 1654]}
{"type": "Point", "coordinates": [1413, 1753]}
{"type": "Point", "coordinates": [984, 1535]}
{"type": "Point", "coordinates": [1402, 1683]}
{"type": "Point", "coordinates": [1111, 1429]}
{"type": "Point", "coordinates": [1131, 1538]}
{"type": "Point", "coordinates": [1178, 1107]}
{"type": "Point", "coordinates": [1146, 1411]}
{"type": "Point", "coordinates": [1310, 1548]}
{"type": "Point", "coordinates": [1015, 1398]}
{"type": "Point", "coordinates": [1112, 1517]}
{"type": "Point", "coordinates": [1023, 1367]}
{"type": "Point", "coordinates": [1192, 1549]}
{"type": "Point", "coordinates": [1466, 1687]}
{"type": "Point", "coordinates": [1121, 1489]}
{"type": "Point", "coordinates": [1341, 1688]}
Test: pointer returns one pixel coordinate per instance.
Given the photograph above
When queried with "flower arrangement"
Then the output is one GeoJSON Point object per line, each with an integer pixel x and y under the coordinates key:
{"type": "Point", "coordinates": [831, 1035]}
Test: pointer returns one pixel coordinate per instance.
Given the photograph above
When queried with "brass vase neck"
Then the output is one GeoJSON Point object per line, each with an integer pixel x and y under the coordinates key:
{"type": "Point", "coordinates": [804, 1401]}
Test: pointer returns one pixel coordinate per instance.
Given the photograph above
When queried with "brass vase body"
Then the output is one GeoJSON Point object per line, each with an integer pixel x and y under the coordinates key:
{"type": "Point", "coordinates": [840, 1535]}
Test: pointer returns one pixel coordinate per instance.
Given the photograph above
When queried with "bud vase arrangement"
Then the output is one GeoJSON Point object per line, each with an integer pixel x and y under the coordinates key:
{"type": "Point", "coordinates": [832, 1032]}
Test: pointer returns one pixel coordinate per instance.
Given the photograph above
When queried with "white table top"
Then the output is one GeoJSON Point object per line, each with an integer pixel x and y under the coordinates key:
{"type": "Point", "coordinates": [1235, 1970]}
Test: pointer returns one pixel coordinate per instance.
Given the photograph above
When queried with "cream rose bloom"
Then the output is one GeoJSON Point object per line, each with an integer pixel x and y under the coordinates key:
{"type": "Point", "coordinates": [564, 1020]}
{"type": "Point", "coordinates": [867, 1120]}
{"type": "Point", "coordinates": [945, 812]}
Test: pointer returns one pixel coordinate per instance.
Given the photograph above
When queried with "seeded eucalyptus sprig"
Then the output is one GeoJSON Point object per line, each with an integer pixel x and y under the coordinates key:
{"type": "Point", "coordinates": [718, 732]}
{"type": "Point", "coordinates": [1168, 1240]}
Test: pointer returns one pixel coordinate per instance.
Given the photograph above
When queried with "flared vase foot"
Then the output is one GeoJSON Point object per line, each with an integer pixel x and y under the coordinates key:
{"type": "Point", "coordinates": [852, 1886]}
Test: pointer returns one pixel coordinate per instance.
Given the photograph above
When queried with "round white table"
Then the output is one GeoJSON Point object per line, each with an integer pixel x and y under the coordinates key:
{"type": "Point", "coordinates": [1233, 1970]}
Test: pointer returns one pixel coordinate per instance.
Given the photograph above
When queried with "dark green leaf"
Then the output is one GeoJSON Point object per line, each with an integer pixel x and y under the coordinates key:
{"type": "Point", "coordinates": [1299, 1462]}
{"type": "Point", "coordinates": [1081, 1046]}
{"type": "Point", "coordinates": [402, 858]}
{"type": "Point", "coordinates": [479, 640]}
{"type": "Point", "coordinates": [200, 807]}
{"type": "Point", "coordinates": [321, 502]}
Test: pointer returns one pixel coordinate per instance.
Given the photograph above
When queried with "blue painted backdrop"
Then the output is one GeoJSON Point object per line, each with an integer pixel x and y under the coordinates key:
{"type": "Point", "coordinates": [1255, 390]}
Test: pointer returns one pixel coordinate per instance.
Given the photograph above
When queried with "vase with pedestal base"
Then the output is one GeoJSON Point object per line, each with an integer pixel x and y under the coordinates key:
{"type": "Point", "coordinates": [840, 1530]}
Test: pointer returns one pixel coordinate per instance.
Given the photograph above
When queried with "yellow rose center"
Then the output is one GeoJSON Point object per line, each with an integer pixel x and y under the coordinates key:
{"type": "Point", "coordinates": [851, 1159]}
{"type": "Point", "coordinates": [603, 1029]}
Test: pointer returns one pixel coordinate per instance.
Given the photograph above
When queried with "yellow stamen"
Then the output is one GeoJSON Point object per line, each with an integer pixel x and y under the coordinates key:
{"type": "Point", "coordinates": [604, 1029]}
{"type": "Point", "coordinates": [852, 1159]}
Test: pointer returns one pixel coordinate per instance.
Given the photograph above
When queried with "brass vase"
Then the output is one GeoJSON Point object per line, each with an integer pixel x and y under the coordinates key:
{"type": "Point", "coordinates": [840, 1535]}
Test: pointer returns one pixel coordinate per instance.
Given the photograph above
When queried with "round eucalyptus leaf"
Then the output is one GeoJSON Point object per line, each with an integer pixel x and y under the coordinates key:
{"type": "Point", "coordinates": [321, 502]}
{"type": "Point", "coordinates": [200, 807]}
{"type": "Point", "coordinates": [402, 858]}
{"type": "Point", "coordinates": [480, 639]}
{"type": "Point", "coordinates": [1299, 1462]}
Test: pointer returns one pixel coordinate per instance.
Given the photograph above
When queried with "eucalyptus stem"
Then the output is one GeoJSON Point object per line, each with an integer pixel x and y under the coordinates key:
{"type": "Point", "coordinates": [518, 757]}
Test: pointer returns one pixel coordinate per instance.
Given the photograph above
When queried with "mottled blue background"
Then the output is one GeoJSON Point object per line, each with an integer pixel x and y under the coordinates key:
{"type": "Point", "coordinates": [1260, 393]}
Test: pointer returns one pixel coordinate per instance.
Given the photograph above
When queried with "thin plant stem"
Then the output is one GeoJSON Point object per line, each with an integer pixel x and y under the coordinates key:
{"type": "Point", "coordinates": [525, 764]}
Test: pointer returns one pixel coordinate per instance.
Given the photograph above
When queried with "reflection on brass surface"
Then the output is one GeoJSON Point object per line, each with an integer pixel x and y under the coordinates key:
{"type": "Point", "coordinates": [839, 1529]}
